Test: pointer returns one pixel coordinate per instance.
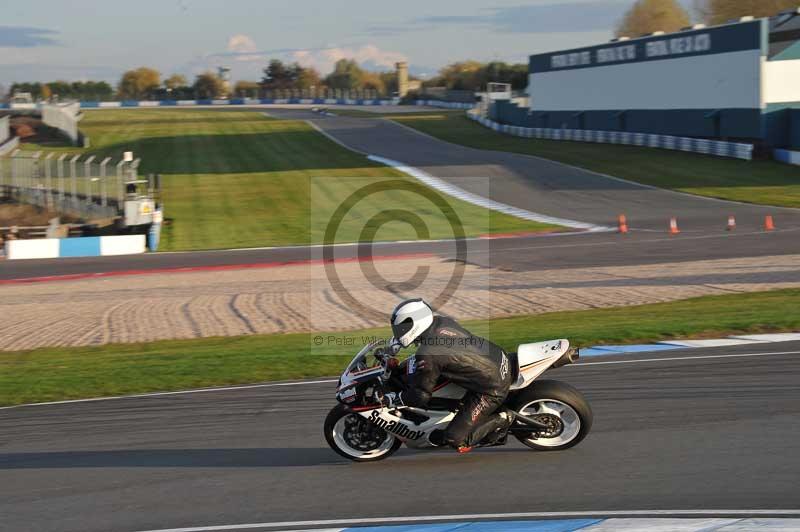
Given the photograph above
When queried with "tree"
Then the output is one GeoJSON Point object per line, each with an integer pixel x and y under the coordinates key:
{"type": "Point", "coordinates": [346, 75]}
{"type": "Point", "coordinates": [305, 77]}
{"type": "Point", "coordinates": [277, 76]}
{"type": "Point", "coordinates": [209, 85]}
{"type": "Point", "coordinates": [139, 83]}
{"type": "Point", "coordinates": [246, 89]}
{"type": "Point", "coordinates": [175, 81]}
{"type": "Point", "coordinates": [648, 16]}
{"type": "Point", "coordinates": [720, 11]}
{"type": "Point", "coordinates": [373, 81]}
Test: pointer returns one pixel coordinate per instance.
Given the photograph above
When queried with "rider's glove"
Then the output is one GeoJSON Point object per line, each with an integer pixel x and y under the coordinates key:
{"type": "Point", "coordinates": [391, 400]}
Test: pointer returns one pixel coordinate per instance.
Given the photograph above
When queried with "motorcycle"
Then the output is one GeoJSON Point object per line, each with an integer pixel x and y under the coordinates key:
{"type": "Point", "coordinates": [547, 415]}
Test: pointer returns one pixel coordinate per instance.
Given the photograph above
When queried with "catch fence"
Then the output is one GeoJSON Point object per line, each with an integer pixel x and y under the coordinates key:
{"type": "Point", "coordinates": [87, 187]}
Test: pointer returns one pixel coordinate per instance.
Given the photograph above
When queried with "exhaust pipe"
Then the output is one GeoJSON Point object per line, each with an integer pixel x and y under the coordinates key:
{"type": "Point", "coordinates": [567, 358]}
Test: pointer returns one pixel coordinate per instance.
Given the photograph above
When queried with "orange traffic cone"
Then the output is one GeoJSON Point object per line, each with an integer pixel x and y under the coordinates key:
{"type": "Point", "coordinates": [623, 224]}
{"type": "Point", "coordinates": [673, 226]}
{"type": "Point", "coordinates": [769, 225]}
{"type": "Point", "coordinates": [731, 223]}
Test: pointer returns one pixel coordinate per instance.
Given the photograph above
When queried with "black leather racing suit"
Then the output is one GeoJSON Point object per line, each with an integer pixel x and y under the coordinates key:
{"type": "Point", "coordinates": [448, 351]}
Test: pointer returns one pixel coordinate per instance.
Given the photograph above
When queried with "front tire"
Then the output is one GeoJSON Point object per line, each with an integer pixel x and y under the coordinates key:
{"type": "Point", "coordinates": [355, 438]}
{"type": "Point", "coordinates": [559, 405]}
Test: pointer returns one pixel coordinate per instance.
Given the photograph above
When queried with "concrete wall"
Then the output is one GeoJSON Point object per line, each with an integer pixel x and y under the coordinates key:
{"type": "Point", "coordinates": [7, 142]}
{"type": "Point", "coordinates": [5, 131]}
{"type": "Point", "coordinates": [63, 117]}
{"type": "Point", "coordinates": [51, 248]}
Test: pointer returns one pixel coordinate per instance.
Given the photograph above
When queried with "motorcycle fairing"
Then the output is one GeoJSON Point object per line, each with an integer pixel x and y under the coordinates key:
{"type": "Point", "coordinates": [412, 434]}
{"type": "Point", "coordinates": [534, 359]}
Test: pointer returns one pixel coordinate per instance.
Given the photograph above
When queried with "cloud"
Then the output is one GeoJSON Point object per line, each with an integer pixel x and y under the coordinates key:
{"type": "Point", "coordinates": [571, 16]}
{"type": "Point", "coordinates": [243, 49]}
{"type": "Point", "coordinates": [25, 37]}
{"type": "Point", "coordinates": [241, 43]}
{"type": "Point", "coordinates": [368, 56]}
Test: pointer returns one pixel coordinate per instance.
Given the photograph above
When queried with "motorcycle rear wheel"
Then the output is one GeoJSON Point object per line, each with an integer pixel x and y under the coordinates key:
{"type": "Point", "coordinates": [561, 406]}
{"type": "Point", "coordinates": [355, 438]}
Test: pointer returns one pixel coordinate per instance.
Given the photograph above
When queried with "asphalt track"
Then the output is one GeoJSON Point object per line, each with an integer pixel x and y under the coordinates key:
{"type": "Point", "coordinates": [672, 431]}
{"type": "Point", "coordinates": [526, 182]}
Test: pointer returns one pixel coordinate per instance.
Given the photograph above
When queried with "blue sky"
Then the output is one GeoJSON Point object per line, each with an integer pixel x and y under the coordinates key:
{"type": "Point", "coordinates": [94, 39]}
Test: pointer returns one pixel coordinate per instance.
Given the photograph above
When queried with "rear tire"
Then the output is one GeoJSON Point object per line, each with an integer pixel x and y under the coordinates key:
{"type": "Point", "coordinates": [559, 404]}
{"type": "Point", "coordinates": [342, 426]}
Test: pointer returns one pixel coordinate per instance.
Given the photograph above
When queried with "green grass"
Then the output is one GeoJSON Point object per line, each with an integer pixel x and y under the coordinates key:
{"type": "Point", "coordinates": [763, 182]}
{"type": "Point", "coordinates": [70, 373]}
{"type": "Point", "coordinates": [240, 179]}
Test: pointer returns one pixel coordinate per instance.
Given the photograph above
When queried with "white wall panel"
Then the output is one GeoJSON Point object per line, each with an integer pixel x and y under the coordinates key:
{"type": "Point", "coordinates": [42, 248]}
{"type": "Point", "coordinates": [122, 244]}
{"type": "Point", "coordinates": [782, 81]}
{"type": "Point", "coordinates": [727, 80]}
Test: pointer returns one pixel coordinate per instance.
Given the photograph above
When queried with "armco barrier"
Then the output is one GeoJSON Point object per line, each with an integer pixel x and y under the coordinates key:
{"type": "Point", "coordinates": [250, 101]}
{"type": "Point", "coordinates": [92, 246]}
{"type": "Point", "coordinates": [446, 105]}
{"type": "Point", "coordinates": [708, 147]}
{"type": "Point", "coordinates": [788, 156]}
{"type": "Point", "coordinates": [235, 101]}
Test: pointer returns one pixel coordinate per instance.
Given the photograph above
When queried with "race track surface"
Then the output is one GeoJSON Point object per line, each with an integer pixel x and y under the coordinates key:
{"type": "Point", "coordinates": [672, 431]}
{"type": "Point", "coordinates": [539, 185]}
{"type": "Point", "coordinates": [530, 183]}
{"type": "Point", "coordinates": [518, 254]}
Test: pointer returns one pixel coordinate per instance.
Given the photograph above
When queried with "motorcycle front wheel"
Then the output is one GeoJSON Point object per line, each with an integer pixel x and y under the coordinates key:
{"type": "Point", "coordinates": [560, 406]}
{"type": "Point", "coordinates": [355, 438]}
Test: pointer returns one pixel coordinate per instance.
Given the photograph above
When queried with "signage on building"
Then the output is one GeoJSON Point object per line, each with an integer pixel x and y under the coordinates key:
{"type": "Point", "coordinates": [721, 39]}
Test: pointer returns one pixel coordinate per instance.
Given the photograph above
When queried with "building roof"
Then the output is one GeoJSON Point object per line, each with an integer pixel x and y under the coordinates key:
{"type": "Point", "coordinates": [784, 35]}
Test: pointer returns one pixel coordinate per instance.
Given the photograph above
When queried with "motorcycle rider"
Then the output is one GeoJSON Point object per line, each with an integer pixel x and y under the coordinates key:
{"type": "Point", "coordinates": [447, 350]}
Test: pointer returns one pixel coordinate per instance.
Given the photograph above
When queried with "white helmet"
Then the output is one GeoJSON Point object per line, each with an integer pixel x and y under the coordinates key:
{"type": "Point", "coordinates": [410, 319]}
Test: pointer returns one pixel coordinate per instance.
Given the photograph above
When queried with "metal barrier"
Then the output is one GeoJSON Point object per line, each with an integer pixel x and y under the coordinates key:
{"type": "Point", "coordinates": [89, 188]}
{"type": "Point", "coordinates": [446, 105]}
{"type": "Point", "coordinates": [708, 147]}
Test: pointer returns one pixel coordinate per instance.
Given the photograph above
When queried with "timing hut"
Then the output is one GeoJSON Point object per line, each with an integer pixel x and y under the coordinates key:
{"type": "Point", "coordinates": [739, 80]}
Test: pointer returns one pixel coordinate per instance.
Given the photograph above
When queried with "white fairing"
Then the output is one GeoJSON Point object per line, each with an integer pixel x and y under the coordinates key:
{"type": "Point", "coordinates": [412, 434]}
{"type": "Point", "coordinates": [534, 359]}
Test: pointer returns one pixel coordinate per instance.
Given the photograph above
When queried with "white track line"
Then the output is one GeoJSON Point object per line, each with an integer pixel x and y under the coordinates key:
{"type": "Point", "coordinates": [470, 517]}
{"type": "Point", "coordinates": [670, 359]}
{"type": "Point", "coordinates": [329, 381]}
{"type": "Point", "coordinates": [181, 392]}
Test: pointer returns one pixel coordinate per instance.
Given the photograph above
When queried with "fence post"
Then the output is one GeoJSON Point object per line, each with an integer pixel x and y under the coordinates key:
{"type": "Point", "coordinates": [73, 170]}
{"type": "Point", "coordinates": [62, 189]}
{"type": "Point", "coordinates": [14, 173]}
{"type": "Point", "coordinates": [103, 186]}
{"type": "Point", "coordinates": [120, 185]}
{"type": "Point", "coordinates": [34, 177]}
{"type": "Point", "coordinates": [48, 181]}
{"type": "Point", "coordinates": [87, 174]}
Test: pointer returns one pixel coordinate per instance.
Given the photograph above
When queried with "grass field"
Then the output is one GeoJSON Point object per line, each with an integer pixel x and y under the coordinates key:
{"type": "Point", "coordinates": [71, 373]}
{"type": "Point", "coordinates": [239, 179]}
{"type": "Point", "coordinates": [764, 182]}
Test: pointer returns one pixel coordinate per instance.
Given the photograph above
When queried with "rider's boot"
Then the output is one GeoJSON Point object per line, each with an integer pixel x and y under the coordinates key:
{"type": "Point", "coordinates": [492, 430]}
